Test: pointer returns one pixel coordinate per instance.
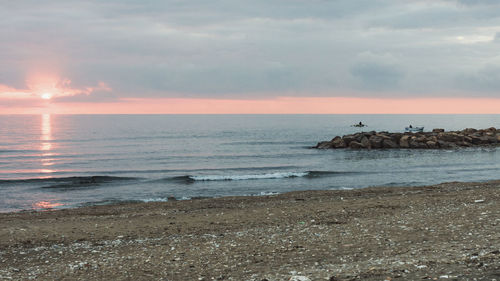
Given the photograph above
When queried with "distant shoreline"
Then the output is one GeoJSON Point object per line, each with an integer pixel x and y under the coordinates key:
{"type": "Point", "coordinates": [370, 233]}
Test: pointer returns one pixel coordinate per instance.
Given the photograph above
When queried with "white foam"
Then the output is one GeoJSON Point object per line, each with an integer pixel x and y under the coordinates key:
{"type": "Point", "coordinates": [268, 193]}
{"type": "Point", "coordinates": [154, 200]}
{"type": "Point", "coordinates": [249, 177]}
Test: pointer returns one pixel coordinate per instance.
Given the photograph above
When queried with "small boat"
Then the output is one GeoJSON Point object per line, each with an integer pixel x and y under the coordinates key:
{"type": "Point", "coordinates": [359, 125]}
{"type": "Point", "coordinates": [412, 129]}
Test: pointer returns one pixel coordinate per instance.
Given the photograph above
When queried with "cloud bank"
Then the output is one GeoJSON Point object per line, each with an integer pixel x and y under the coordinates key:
{"type": "Point", "coordinates": [253, 49]}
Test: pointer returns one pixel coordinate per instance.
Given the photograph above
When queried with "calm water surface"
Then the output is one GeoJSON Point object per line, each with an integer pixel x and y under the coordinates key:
{"type": "Point", "coordinates": [60, 161]}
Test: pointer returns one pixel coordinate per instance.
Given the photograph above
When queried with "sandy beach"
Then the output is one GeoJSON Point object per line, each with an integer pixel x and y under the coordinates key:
{"type": "Point", "coordinates": [448, 231]}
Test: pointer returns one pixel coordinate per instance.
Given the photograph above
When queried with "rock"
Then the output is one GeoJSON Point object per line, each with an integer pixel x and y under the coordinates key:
{"type": "Point", "coordinates": [355, 145]}
{"type": "Point", "coordinates": [388, 143]}
{"type": "Point", "coordinates": [376, 141]}
{"type": "Point", "coordinates": [469, 131]}
{"type": "Point", "coordinates": [484, 140]}
{"type": "Point", "coordinates": [396, 137]}
{"type": "Point", "coordinates": [432, 144]}
{"type": "Point", "coordinates": [450, 137]}
{"type": "Point", "coordinates": [447, 145]}
{"type": "Point", "coordinates": [417, 144]}
{"type": "Point", "coordinates": [404, 142]}
{"type": "Point", "coordinates": [492, 139]}
{"type": "Point", "coordinates": [369, 134]}
{"type": "Point", "coordinates": [475, 140]}
{"type": "Point", "coordinates": [324, 145]}
{"type": "Point", "coordinates": [338, 142]}
{"type": "Point", "coordinates": [464, 144]}
{"type": "Point", "coordinates": [365, 142]}
{"type": "Point", "coordinates": [438, 138]}
{"type": "Point", "coordinates": [348, 139]}
{"type": "Point", "coordinates": [358, 137]}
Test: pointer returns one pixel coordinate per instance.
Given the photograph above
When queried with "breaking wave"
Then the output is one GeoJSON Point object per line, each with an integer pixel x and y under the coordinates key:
{"type": "Point", "coordinates": [275, 175]}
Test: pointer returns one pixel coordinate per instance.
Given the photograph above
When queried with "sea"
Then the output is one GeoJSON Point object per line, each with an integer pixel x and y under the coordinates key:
{"type": "Point", "coordinates": [67, 161]}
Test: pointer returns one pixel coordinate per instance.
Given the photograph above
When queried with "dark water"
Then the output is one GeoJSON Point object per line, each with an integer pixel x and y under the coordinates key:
{"type": "Point", "coordinates": [71, 160]}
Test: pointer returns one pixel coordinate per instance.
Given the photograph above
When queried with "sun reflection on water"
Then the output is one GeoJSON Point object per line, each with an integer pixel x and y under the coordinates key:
{"type": "Point", "coordinates": [46, 144]}
{"type": "Point", "coordinates": [46, 205]}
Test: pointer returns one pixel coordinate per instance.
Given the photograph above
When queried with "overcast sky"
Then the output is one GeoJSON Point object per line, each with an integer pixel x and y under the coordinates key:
{"type": "Point", "coordinates": [253, 49]}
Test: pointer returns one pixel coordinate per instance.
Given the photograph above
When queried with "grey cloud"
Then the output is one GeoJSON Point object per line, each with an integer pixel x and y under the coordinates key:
{"type": "Point", "coordinates": [478, 2]}
{"type": "Point", "coordinates": [242, 49]}
{"type": "Point", "coordinates": [485, 79]}
{"type": "Point", "coordinates": [377, 72]}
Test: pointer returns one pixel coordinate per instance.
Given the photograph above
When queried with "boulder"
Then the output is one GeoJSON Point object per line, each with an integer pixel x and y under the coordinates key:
{"type": "Point", "coordinates": [450, 137]}
{"type": "Point", "coordinates": [469, 131]}
{"type": "Point", "coordinates": [492, 139]}
{"type": "Point", "coordinates": [396, 137]}
{"type": "Point", "coordinates": [324, 145]}
{"type": "Point", "coordinates": [369, 134]}
{"type": "Point", "coordinates": [475, 140]}
{"type": "Point", "coordinates": [358, 137]}
{"type": "Point", "coordinates": [388, 143]}
{"type": "Point", "coordinates": [365, 142]}
{"type": "Point", "coordinates": [464, 144]}
{"type": "Point", "coordinates": [355, 145]}
{"type": "Point", "coordinates": [348, 139]}
{"type": "Point", "coordinates": [414, 143]}
{"type": "Point", "coordinates": [432, 144]}
{"type": "Point", "coordinates": [438, 138]}
{"type": "Point", "coordinates": [338, 142]}
{"type": "Point", "coordinates": [404, 142]}
{"type": "Point", "coordinates": [484, 140]}
{"type": "Point", "coordinates": [447, 145]}
{"type": "Point", "coordinates": [376, 141]}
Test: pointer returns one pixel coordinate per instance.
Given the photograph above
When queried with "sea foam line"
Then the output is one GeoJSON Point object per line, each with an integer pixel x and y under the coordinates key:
{"type": "Point", "coordinates": [250, 177]}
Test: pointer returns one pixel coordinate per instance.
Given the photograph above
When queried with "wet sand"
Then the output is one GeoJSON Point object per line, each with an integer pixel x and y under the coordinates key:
{"type": "Point", "coordinates": [449, 231]}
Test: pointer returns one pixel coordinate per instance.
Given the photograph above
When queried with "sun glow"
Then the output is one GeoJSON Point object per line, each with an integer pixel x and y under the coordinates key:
{"type": "Point", "coordinates": [47, 96]}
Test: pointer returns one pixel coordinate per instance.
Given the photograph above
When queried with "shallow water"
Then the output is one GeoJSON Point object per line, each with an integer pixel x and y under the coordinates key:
{"type": "Point", "coordinates": [57, 161]}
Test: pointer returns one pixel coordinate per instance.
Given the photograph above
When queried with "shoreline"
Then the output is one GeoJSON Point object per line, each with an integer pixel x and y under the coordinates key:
{"type": "Point", "coordinates": [449, 229]}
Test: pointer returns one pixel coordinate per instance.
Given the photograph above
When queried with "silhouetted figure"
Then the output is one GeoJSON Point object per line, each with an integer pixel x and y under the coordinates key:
{"type": "Point", "coordinates": [411, 126]}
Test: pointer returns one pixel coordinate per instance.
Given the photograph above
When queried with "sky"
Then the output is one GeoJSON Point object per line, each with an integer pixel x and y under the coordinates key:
{"type": "Point", "coordinates": [258, 56]}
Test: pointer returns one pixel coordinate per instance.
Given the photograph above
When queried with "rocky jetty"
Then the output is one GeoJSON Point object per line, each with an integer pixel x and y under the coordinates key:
{"type": "Point", "coordinates": [437, 139]}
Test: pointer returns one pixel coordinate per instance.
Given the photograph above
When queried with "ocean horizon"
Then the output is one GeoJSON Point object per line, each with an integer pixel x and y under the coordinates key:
{"type": "Point", "coordinates": [67, 161]}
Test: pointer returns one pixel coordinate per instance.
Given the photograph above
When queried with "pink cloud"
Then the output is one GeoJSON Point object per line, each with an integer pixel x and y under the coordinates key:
{"type": "Point", "coordinates": [284, 105]}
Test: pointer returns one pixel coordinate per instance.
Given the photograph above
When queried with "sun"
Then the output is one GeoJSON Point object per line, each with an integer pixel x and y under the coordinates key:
{"type": "Point", "coordinates": [47, 96]}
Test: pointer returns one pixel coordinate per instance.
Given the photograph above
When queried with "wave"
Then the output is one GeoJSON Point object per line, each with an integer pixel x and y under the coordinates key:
{"type": "Point", "coordinates": [275, 175]}
{"type": "Point", "coordinates": [68, 180]}
{"type": "Point", "coordinates": [17, 150]}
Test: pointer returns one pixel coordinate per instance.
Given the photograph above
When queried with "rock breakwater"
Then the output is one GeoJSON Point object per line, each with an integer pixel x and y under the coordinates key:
{"type": "Point", "coordinates": [437, 139]}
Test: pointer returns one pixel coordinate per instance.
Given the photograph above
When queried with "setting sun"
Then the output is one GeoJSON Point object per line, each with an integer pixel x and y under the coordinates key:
{"type": "Point", "coordinates": [46, 96]}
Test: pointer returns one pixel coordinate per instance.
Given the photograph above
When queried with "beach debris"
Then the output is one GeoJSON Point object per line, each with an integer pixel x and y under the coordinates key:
{"type": "Point", "coordinates": [479, 201]}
